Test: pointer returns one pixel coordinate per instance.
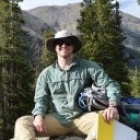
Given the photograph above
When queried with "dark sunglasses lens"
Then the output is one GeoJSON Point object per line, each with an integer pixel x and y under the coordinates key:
{"type": "Point", "coordinates": [66, 42]}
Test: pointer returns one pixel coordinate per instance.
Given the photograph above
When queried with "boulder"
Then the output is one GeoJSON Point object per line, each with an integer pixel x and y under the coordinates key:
{"type": "Point", "coordinates": [62, 138]}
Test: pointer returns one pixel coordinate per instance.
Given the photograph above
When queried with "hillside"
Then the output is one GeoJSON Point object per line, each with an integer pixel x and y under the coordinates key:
{"type": "Point", "coordinates": [61, 17]}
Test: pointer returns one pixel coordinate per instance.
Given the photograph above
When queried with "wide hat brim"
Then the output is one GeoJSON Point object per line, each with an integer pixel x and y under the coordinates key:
{"type": "Point", "coordinates": [50, 43]}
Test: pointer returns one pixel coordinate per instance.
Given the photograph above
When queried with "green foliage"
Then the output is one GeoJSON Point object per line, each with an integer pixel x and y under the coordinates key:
{"type": "Point", "coordinates": [135, 82]}
{"type": "Point", "coordinates": [99, 27]}
{"type": "Point", "coordinates": [47, 58]}
{"type": "Point", "coordinates": [16, 73]}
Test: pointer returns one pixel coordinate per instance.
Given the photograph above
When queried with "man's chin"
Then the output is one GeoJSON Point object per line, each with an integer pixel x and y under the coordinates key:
{"type": "Point", "coordinates": [66, 56]}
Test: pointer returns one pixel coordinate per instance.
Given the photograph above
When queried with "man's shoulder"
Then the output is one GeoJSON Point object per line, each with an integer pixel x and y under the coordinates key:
{"type": "Point", "coordinates": [88, 62]}
{"type": "Point", "coordinates": [49, 68]}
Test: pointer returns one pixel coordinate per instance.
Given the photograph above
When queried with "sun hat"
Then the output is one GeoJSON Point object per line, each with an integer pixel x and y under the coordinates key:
{"type": "Point", "coordinates": [51, 42]}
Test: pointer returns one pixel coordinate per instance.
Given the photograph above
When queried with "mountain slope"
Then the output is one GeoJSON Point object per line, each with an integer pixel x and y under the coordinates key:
{"type": "Point", "coordinates": [58, 17]}
{"type": "Point", "coordinates": [64, 17]}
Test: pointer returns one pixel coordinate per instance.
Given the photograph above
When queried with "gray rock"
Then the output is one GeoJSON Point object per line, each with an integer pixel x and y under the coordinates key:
{"type": "Point", "coordinates": [62, 138]}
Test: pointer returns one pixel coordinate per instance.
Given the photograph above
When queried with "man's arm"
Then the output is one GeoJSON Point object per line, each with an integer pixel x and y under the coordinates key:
{"type": "Point", "coordinates": [41, 97]}
{"type": "Point", "coordinates": [113, 90]}
{"type": "Point", "coordinates": [41, 102]}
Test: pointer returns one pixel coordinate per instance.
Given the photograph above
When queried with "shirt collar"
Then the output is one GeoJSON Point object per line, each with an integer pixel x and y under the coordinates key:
{"type": "Point", "coordinates": [74, 62]}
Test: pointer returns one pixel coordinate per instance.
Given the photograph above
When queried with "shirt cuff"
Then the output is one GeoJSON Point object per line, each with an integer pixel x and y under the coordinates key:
{"type": "Point", "coordinates": [112, 104]}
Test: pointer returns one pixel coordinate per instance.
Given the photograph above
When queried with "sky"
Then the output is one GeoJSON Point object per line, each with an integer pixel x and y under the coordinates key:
{"type": "Point", "coordinates": [127, 6]}
{"type": "Point", "coordinates": [29, 4]}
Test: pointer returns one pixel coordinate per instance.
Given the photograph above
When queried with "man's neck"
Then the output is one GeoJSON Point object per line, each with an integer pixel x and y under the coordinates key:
{"type": "Point", "coordinates": [65, 63]}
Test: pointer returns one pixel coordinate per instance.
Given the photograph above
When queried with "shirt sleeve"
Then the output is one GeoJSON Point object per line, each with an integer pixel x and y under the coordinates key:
{"type": "Point", "coordinates": [102, 79]}
{"type": "Point", "coordinates": [41, 97]}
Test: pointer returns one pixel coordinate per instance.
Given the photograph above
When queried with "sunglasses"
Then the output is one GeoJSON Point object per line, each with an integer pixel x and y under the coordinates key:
{"type": "Point", "coordinates": [67, 42]}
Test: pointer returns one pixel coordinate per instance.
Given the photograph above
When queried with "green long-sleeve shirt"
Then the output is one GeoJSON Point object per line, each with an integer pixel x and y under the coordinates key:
{"type": "Point", "coordinates": [61, 88]}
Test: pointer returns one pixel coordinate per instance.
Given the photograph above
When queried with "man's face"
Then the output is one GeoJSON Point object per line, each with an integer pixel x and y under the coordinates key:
{"type": "Point", "coordinates": [64, 47]}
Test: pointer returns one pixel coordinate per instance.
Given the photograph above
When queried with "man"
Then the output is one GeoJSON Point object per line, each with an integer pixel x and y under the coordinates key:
{"type": "Point", "coordinates": [59, 85]}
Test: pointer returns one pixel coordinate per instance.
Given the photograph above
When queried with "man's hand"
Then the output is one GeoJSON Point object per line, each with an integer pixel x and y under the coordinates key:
{"type": "Point", "coordinates": [39, 124]}
{"type": "Point", "coordinates": [110, 113]}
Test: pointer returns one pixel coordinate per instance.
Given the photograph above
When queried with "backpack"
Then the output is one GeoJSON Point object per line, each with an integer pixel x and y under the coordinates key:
{"type": "Point", "coordinates": [92, 98]}
{"type": "Point", "coordinates": [130, 110]}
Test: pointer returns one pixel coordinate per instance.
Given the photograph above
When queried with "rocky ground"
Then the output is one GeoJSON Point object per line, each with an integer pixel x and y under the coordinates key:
{"type": "Point", "coordinates": [62, 138]}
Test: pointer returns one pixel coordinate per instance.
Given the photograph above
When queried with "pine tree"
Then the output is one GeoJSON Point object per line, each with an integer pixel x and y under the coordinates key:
{"type": "Point", "coordinates": [87, 26]}
{"type": "Point", "coordinates": [47, 57]}
{"type": "Point", "coordinates": [135, 82]}
{"type": "Point", "coordinates": [17, 75]}
{"type": "Point", "coordinates": [100, 30]}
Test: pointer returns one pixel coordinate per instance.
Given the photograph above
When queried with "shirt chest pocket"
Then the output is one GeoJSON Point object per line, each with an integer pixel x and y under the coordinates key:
{"type": "Point", "coordinates": [57, 87]}
{"type": "Point", "coordinates": [67, 83]}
